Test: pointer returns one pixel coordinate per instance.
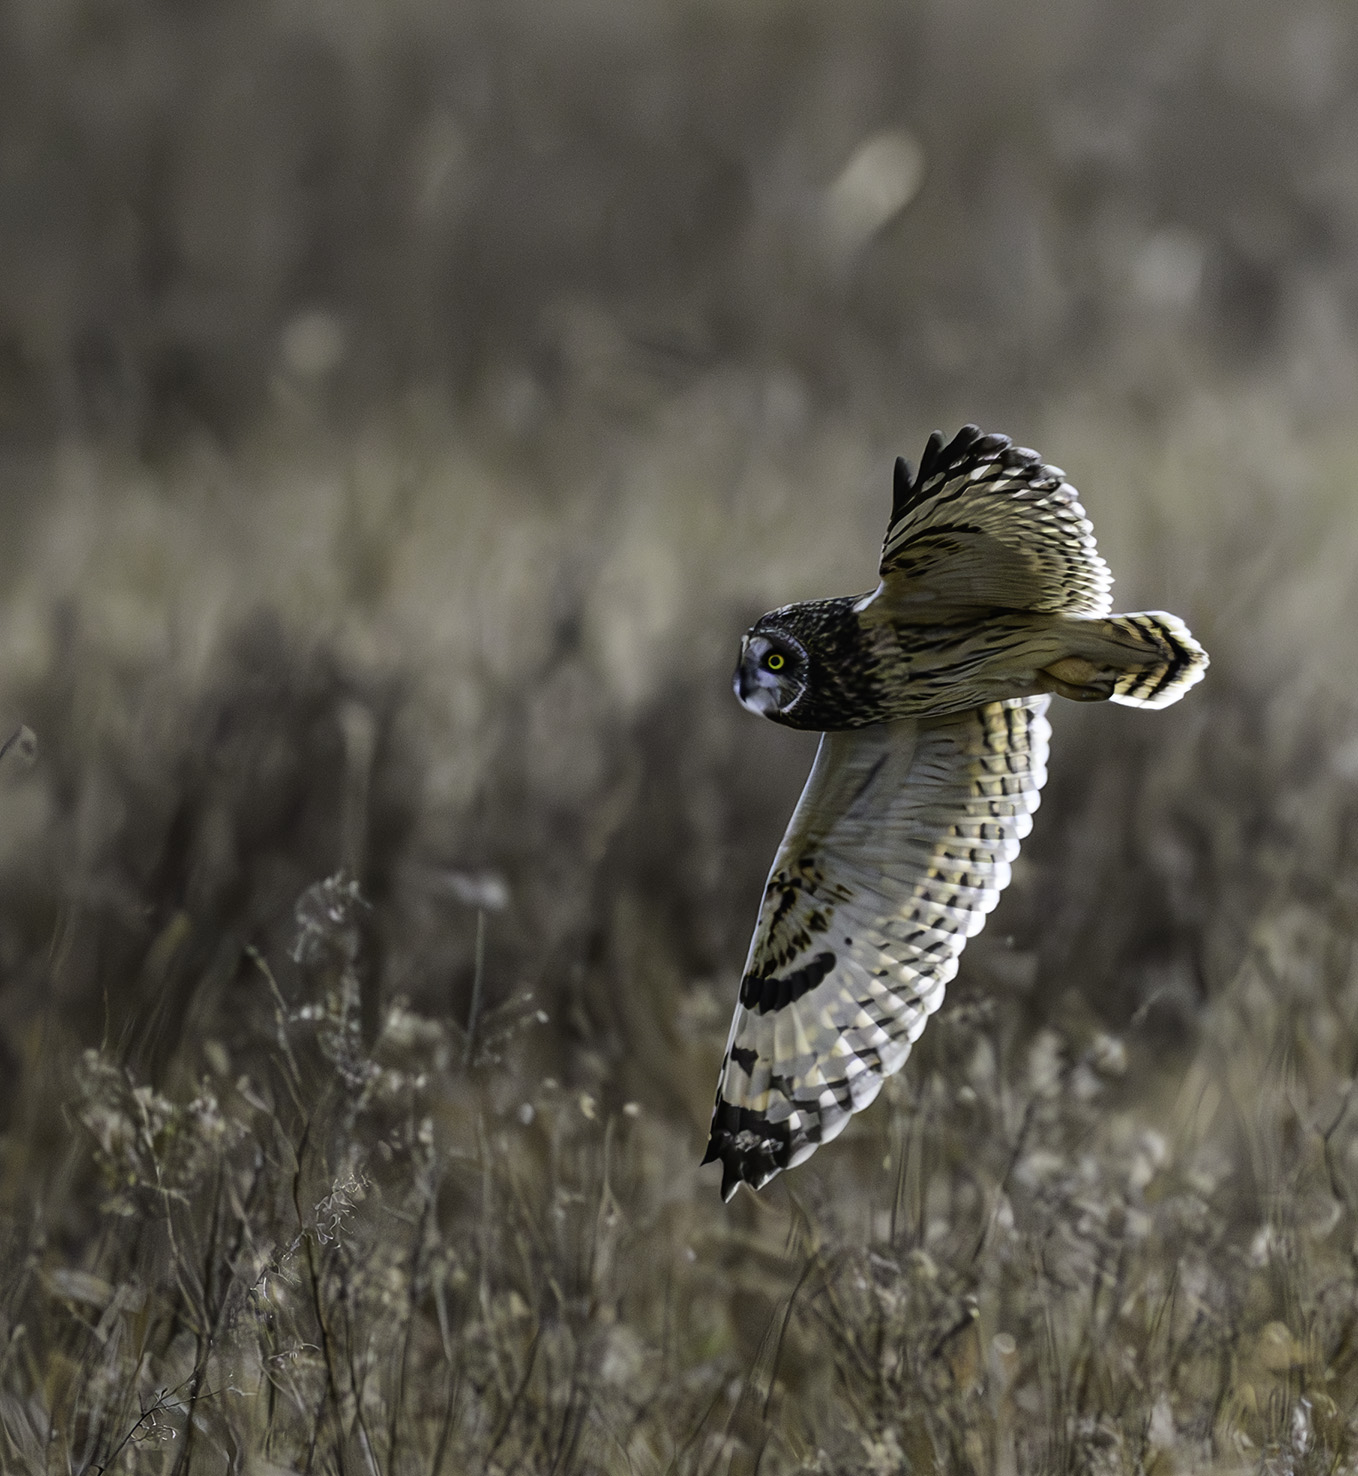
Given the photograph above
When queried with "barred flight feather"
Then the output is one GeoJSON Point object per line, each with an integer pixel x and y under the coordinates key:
{"type": "Point", "coordinates": [986, 524]}
{"type": "Point", "coordinates": [898, 849]}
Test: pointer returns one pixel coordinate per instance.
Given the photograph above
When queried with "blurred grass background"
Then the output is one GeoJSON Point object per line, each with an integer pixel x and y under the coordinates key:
{"type": "Point", "coordinates": [403, 409]}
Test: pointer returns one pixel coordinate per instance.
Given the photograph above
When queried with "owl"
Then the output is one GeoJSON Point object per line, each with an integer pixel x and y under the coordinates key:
{"type": "Point", "coordinates": [930, 693]}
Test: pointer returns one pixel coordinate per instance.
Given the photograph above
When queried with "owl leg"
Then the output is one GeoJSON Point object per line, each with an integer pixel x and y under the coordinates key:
{"type": "Point", "coordinates": [1078, 679]}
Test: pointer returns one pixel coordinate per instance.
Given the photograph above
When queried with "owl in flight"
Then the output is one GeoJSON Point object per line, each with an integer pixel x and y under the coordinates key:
{"type": "Point", "coordinates": [930, 694]}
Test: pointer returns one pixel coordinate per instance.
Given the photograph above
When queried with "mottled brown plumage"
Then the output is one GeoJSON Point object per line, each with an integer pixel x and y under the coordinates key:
{"type": "Point", "coordinates": [931, 692]}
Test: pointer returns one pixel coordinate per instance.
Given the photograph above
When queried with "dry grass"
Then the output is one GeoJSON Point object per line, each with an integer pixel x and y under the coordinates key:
{"type": "Point", "coordinates": [370, 906]}
{"type": "Point", "coordinates": [269, 1207]}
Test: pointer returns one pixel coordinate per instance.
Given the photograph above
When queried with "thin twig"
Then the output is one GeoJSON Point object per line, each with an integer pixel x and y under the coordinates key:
{"type": "Point", "coordinates": [478, 984]}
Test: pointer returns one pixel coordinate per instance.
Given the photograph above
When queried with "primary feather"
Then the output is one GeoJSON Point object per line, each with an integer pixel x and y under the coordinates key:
{"type": "Point", "coordinates": [899, 847]}
{"type": "Point", "coordinates": [988, 525]}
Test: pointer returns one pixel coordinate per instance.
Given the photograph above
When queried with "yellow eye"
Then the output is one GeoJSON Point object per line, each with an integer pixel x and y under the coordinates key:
{"type": "Point", "coordinates": [775, 662]}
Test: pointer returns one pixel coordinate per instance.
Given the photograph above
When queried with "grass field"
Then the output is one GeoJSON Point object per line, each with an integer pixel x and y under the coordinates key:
{"type": "Point", "coordinates": [373, 892]}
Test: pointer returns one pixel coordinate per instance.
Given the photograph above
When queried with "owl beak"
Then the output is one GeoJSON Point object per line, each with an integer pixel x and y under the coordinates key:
{"type": "Point", "coordinates": [741, 681]}
{"type": "Point", "coordinates": [755, 690]}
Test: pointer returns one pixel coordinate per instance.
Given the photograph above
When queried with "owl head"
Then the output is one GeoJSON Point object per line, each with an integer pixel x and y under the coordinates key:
{"type": "Point", "coordinates": [807, 666]}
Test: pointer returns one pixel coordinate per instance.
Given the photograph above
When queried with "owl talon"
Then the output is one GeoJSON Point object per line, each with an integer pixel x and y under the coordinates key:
{"type": "Point", "coordinates": [1077, 679]}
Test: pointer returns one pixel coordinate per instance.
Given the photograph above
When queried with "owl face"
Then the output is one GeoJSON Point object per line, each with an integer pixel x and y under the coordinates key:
{"type": "Point", "coordinates": [771, 676]}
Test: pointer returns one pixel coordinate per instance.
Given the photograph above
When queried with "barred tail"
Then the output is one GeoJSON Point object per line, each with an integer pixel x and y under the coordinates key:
{"type": "Point", "coordinates": [1145, 660]}
{"type": "Point", "coordinates": [1178, 661]}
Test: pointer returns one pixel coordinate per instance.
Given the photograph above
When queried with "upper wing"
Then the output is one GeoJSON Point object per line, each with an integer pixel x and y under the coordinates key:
{"type": "Point", "coordinates": [985, 524]}
{"type": "Point", "coordinates": [898, 848]}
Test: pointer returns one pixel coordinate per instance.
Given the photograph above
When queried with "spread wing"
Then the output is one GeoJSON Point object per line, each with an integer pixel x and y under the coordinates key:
{"type": "Point", "coordinates": [898, 848]}
{"type": "Point", "coordinates": [987, 525]}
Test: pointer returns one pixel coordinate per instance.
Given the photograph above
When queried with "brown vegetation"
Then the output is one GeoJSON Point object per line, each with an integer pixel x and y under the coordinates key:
{"type": "Point", "coordinates": [402, 412]}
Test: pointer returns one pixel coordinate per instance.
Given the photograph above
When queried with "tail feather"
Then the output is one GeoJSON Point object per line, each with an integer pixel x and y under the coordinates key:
{"type": "Point", "coordinates": [1144, 660]}
{"type": "Point", "coordinates": [1181, 662]}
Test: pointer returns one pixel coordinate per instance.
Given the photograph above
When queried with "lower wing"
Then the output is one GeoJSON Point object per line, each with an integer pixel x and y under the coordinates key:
{"type": "Point", "coordinates": [898, 848]}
